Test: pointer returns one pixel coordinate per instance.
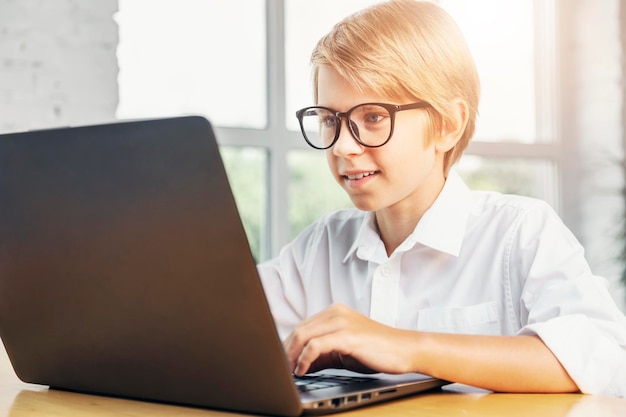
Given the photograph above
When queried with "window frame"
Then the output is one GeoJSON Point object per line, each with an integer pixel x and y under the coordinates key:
{"type": "Point", "coordinates": [278, 141]}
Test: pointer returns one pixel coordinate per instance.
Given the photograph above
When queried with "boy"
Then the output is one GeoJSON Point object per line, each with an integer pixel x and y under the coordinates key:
{"type": "Point", "coordinates": [425, 275]}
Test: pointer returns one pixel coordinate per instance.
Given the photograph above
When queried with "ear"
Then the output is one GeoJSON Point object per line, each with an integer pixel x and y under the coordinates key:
{"type": "Point", "coordinates": [453, 128]}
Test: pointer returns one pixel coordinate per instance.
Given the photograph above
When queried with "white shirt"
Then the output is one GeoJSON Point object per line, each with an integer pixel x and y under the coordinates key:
{"type": "Point", "coordinates": [477, 263]}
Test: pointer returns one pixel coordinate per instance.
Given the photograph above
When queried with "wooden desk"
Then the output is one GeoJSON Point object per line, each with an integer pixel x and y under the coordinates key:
{"type": "Point", "coordinates": [18, 399]}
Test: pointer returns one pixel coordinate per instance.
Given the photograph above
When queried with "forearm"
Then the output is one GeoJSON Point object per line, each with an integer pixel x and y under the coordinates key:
{"type": "Point", "coordinates": [498, 363]}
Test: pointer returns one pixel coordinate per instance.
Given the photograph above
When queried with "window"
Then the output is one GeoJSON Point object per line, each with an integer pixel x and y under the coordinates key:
{"type": "Point", "coordinates": [193, 56]}
{"type": "Point", "coordinates": [504, 55]}
{"type": "Point", "coordinates": [244, 64]}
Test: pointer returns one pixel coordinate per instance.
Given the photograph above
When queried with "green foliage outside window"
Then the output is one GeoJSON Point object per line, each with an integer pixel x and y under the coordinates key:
{"type": "Point", "coordinates": [246, 169]}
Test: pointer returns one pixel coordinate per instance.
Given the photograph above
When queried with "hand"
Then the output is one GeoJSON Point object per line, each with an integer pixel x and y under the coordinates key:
{"type": "Point", "coordinates": [339, 337]}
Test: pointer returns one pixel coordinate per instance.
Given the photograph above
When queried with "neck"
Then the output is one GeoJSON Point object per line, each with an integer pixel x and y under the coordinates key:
{"type": "Point", "coordinates": [397, 222]}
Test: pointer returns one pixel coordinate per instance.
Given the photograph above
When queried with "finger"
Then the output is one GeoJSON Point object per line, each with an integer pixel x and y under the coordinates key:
{"type": "Point", "coordinates": [307, 331]}
{"type": "Point", "coordinates": [324, 362]}
{"type": "Point", "coordinates": [321, 352]}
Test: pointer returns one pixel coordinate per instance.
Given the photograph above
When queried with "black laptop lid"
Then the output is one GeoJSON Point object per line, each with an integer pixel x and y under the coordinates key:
{"type": "Point", "coordinates": [125, 269]}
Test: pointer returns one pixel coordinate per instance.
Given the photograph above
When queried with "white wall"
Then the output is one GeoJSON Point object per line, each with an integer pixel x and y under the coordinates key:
{"type": "Point", "coordinates": [58, 63]}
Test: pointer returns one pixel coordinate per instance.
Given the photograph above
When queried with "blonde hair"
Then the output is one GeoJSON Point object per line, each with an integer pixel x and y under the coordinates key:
{"type": "Point", "coordinates": [405, 49]}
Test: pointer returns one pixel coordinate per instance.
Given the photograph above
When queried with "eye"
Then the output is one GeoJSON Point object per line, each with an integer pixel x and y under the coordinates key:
{"type": "Point", "coordinates": [369, 115]}
{"type": "Point", "coordinates": [373, 117]}
{"type": "Point", "coordinates": [329, 121]}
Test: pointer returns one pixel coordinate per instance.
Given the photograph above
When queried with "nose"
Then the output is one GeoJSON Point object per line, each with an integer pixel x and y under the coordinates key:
{"type": "Point", "coordinates": [346, 144]}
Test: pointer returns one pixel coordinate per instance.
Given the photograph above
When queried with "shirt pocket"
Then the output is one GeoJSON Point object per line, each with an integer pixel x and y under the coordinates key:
{"type": "Point", "coordinates": [475, 319]}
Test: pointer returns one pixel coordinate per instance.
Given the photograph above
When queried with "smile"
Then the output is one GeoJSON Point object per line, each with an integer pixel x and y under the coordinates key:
{"type": "Point", "coordinates": [360, 175]}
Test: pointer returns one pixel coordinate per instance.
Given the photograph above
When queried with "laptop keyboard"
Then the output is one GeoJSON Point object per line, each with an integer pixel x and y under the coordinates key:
{"type": "Point", "coordinates": [316, 381]}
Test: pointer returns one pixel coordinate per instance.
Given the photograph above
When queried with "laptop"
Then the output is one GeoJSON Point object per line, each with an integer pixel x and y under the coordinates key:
{"type": "Point", "coordinates": [125, 271]}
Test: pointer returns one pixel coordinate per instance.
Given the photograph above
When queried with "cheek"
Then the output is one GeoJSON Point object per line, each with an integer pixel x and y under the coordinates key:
{"type": "Point", "coordinates": [409, 147]}
{"type": "Point", "coordinates": [412, 134]}
{"type": "Point", "coordinates": [410, 163]}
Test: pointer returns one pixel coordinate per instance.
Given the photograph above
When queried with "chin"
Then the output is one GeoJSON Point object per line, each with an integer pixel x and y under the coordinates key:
{"type": "Point", "coordinates": [364, 204]}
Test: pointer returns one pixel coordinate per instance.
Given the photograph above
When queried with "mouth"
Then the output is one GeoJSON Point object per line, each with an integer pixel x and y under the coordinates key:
{"type": "Point", "coordinates": [357, 179]}
{"type": "Point", "coordinates": [359, 175]}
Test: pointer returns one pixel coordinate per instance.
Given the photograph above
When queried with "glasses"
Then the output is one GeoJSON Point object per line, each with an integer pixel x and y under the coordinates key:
{"type": "Point", "coordinates": [371, 124]}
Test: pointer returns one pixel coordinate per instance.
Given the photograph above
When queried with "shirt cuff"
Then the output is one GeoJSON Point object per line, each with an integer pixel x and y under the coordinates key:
{"type": "Point", "coordinates": [595, 361]}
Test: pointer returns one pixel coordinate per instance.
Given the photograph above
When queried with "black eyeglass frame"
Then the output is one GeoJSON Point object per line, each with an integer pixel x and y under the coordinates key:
{"type": "Point", "coordinates": [391, 108]}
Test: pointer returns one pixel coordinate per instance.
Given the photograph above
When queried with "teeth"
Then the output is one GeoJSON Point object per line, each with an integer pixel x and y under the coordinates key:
{"type": "Point", "coordinates": [359, 175]}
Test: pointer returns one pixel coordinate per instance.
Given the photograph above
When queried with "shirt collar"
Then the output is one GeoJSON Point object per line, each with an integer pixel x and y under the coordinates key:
{"type": "Point", "coordinates": [367, 239]}
{"type": "Point", "coordinates": [442, 227]}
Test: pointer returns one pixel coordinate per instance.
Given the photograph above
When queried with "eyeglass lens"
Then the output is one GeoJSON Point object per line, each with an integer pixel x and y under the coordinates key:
{"type": "Point", "coordinates": [370, 124]}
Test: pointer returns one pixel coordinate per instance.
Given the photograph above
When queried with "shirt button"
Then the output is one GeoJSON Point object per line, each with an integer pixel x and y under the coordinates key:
{"type": "Point", "coordinates": [386, 271]}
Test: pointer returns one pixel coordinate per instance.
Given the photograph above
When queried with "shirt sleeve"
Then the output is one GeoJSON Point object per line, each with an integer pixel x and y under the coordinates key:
{"type": "Point", "coordinates": [283, 279]}
{"type": "Point", "coordinates": [568, 307]}
{"type": "Point", "coordinates": [283, 291]}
